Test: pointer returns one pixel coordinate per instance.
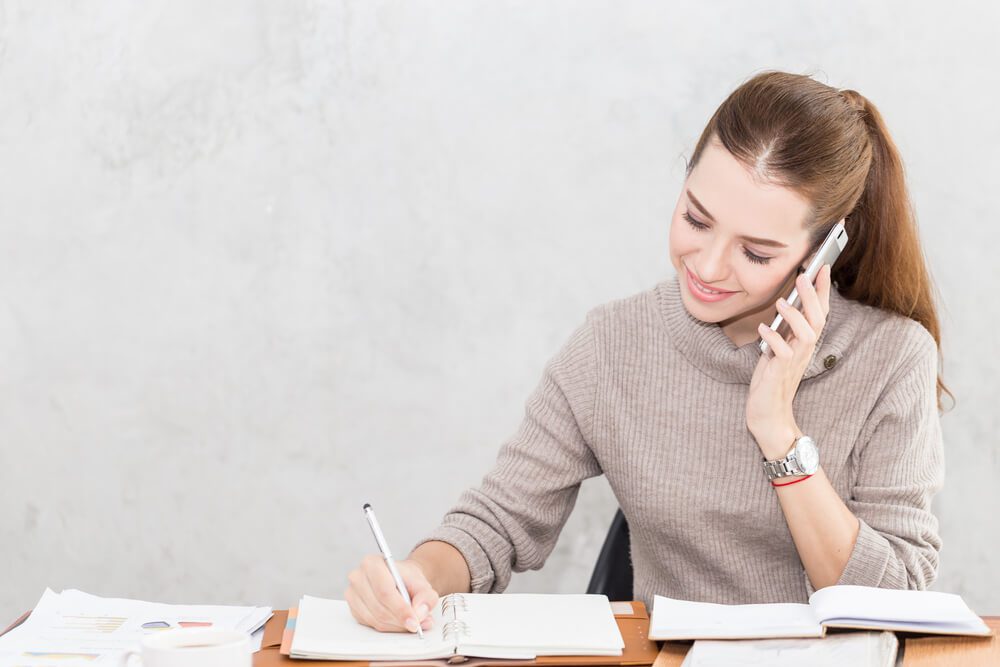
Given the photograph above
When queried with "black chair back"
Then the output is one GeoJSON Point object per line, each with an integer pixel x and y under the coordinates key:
{"type": "Point", "coordinates": [613, 572]}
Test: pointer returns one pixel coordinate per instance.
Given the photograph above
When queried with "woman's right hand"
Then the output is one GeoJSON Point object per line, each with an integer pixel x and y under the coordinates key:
{"type": "Point", "coordinates": [375, 601]}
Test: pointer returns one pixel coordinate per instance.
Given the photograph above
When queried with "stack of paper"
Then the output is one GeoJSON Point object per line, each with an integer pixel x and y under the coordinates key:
{"type": "Point", "coordinates": [73, 627]}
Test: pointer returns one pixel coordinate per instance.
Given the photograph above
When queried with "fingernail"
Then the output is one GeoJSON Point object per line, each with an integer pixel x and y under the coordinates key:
{"type": "Point", "coordinates": [782, 302]}
{"type": "Point", "coordinates": [411, 625]}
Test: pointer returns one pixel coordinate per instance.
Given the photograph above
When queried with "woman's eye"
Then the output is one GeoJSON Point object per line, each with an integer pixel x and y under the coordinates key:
{"type": "Point", "coordinates": [700, 226]}
{"type": "Point", "coordinates": [756, 259]}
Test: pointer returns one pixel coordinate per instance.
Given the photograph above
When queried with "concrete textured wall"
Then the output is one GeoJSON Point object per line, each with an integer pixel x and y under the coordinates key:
{"type": "Point", "coordinates": [261, 262]}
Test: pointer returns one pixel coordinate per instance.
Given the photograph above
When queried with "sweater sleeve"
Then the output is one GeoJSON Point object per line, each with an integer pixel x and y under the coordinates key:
{"type": "Point", "coordinates": [899, 464]}
{"type": "Point", "coordinates": [512, 520]}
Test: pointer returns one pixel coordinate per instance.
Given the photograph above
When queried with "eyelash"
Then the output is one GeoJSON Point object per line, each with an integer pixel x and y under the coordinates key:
{"type": "Point", "coordinates": [700, 226]}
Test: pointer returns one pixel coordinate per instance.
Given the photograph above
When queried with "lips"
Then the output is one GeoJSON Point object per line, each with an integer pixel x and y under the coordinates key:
{"type": "Point", "coordinates": [702, 292]}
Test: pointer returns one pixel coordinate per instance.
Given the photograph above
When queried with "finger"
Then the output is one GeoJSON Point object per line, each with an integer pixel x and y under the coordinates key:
{"type": "Point", "coordinates": [811, 306]}
{"type": "Point", "coordinates": [424, 598]}
{"type": "Point", "coordinates": [370, 610]}
{"type": "Point", "coordinates": [805, 336]}
{"type": "Point", "coordinates": [778, 345]}
{"type": "Point", "coordinates": [359, 610]}
{"type": "Point", "coordinates": [823, 283]}
{"type": "Point", "coordinates": [382, 597]}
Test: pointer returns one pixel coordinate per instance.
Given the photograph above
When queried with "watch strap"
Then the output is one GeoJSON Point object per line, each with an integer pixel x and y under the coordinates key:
{"type": "Point", "coordinates": [785, 467]}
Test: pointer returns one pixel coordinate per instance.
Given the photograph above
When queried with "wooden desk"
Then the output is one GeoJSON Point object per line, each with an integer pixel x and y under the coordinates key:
{"type": "Point", "coordinates": [944, 651]}
{"type": "Point", "coordinates": [916, 651]}
{"type": "Point", "coordinates": [934, 651]}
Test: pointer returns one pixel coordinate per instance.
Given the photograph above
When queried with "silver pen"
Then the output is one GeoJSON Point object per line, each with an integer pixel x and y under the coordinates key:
{"type": "Point", "coordinates": [383, 546]}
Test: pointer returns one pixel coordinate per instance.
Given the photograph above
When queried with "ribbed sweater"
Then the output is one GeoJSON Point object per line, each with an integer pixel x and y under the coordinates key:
{"type": "Point", "coordinates": [655, 400]}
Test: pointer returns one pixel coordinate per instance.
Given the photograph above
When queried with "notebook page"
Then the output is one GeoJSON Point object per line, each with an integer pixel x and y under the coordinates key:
{"type": "Point", "coordinates": [325, 629]}
{"type": "Point", "coordinates": [522, 626]}
{"type": "Point", "coordinates": [924, 609]}
{"type": "Point", "coordinates": [679, 619]}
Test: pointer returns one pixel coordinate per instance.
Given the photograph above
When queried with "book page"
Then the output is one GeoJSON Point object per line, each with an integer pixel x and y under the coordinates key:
{"type": "Point", "coordinates": [878, 607]}
{"type": "Point", "coordinates": [326, 629]}
{"type": "Point", "coordinates": [679, 619]}
{"type": "Point", "coordinates": [522, 626]}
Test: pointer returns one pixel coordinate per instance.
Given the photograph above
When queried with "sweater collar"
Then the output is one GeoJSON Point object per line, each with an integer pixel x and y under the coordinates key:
{"type": "Point", "coordinates": [710, 350]}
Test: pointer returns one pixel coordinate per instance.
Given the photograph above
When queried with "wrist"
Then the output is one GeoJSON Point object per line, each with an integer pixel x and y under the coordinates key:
{"type": "Point", "coordinates": [789, 479]}
{"type": "Point", "coordinates": [443, 566]}
{"type": "Point", "coordinates": [775, 442]}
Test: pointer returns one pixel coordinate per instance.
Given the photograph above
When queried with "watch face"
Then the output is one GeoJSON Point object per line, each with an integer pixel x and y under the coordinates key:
{"type": "Point", "coordinates": [807, 455]}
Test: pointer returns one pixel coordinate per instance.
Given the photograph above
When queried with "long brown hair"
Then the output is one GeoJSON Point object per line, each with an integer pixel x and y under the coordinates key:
{"type": "Point", "coordinates": [831, 147]}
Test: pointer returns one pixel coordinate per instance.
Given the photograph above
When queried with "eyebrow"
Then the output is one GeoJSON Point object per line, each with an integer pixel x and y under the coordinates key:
{"type": "Point", "coordinates": [751, 239]}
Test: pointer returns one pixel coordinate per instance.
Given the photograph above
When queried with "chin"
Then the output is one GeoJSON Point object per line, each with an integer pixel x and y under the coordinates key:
{"type": "Point", "coordinates": [703, 311]}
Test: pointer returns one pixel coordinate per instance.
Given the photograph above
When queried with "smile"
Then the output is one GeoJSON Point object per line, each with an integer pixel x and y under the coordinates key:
{"type": "Point", "coordinates": [703, 293]}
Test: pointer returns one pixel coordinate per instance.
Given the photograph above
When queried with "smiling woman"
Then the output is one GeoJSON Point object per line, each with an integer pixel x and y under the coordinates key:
{"type": "Point", "coordinates": [745, 254]}
{"type": "Point", "coordinates": [666, 392]}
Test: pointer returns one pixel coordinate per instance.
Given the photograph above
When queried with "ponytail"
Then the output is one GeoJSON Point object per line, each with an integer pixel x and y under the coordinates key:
{"type": "Point", "coordinates": [832, 148]}
{"type": "Point", "coordinates": [884, 265]}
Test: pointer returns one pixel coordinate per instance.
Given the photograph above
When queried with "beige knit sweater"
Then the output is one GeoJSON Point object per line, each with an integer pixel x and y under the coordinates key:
{"type": "Point", "coordinates": [655, 400]}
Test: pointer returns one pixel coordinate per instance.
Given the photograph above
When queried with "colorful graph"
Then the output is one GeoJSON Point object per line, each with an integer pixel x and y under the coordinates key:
{"type": "Point", "coordinates": [165, 625]}
{"type": "Point", "coordinates": [106, 624]}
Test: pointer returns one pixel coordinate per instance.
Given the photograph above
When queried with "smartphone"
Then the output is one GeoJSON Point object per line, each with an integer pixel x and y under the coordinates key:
{"type": "Point", "coordinates": [828, 253]}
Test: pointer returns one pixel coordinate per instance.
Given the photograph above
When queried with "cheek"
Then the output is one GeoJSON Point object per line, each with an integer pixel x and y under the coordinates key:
{"type": "Point", "coordinates": [683, 239]}
{"type": "Point", "coordinates": [763, 282]}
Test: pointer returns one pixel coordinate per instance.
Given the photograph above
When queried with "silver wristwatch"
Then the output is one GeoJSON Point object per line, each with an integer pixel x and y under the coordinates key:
{"type": "Point", "coordinates": [802, 459]}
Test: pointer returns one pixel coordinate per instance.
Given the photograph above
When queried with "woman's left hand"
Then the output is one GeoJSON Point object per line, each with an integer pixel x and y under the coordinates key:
{"type": "Point", "coordinates": [777, 376]}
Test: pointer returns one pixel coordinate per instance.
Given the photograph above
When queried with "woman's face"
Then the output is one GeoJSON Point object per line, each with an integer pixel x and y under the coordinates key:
{"type": "Point", "coordinates": [736, 244]}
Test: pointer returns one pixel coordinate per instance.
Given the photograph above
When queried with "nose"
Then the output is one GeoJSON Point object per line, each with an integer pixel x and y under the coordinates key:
{"type": "Point", "coordinates": [711, 264]}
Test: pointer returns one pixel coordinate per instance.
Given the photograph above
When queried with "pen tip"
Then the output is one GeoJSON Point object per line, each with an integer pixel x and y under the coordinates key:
{"type": "Point", "coordinates": [367, 505]}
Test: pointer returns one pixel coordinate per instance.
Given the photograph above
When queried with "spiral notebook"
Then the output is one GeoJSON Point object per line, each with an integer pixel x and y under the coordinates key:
{"type": "Point", "coordinates": [509, 626]}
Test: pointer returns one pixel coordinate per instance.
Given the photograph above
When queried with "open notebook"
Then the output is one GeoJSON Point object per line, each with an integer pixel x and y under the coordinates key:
{"type": "Point", "coordinates": [859, 607]}
{"type": "Point", "coordinates": [510, 626]}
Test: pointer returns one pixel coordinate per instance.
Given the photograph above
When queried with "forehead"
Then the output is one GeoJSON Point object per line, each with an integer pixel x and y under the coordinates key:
{"type": "Point", "coordinates": [741, 204]}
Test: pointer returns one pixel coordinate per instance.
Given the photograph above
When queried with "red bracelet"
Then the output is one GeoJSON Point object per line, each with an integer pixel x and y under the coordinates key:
{"type": "Point", "coordinates": [790, 483]}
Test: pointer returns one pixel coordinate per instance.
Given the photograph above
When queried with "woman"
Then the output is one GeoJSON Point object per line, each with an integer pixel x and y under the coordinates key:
{"type": "Point", "coordinates": [667, 394]}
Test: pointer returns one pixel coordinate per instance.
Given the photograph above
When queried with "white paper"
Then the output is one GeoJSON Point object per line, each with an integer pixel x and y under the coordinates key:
{"type": "Point", "coordinates": [515, 626]}
{"type": "Point", "coordinates": [524, 625]}
{"type": "Point", "coordinates": [918, 609]}
{"type": "Point", "coordinates": [834, 606]}
{"type": "Point", "coordinates": [326, 628]}
{"type": "Point", "coordinates": [679, 619]}
{"type": "Point", "coordinates": [75, 628]}
{"type": "Point", "coordinates": [856, 649]}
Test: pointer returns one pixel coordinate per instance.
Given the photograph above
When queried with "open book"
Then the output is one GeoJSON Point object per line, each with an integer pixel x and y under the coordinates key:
{"type": "Point", "coordinates": [511, 626]}
{"type": "Point", "coordinates": [859, 607]}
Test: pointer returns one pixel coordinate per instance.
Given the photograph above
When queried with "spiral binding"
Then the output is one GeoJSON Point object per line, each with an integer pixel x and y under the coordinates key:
{"type": "Point", "coordinates": [454, 630]}
{"type": "Point", "coordinates": [454, 601]}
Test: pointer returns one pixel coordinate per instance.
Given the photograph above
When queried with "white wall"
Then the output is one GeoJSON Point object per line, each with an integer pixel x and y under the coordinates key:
{"type": "Point", "coordinates": [261, 262]}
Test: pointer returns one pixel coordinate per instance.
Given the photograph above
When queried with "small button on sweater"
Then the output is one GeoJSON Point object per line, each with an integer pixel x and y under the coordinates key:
{"type": "Point", "coordinates": [655, 400]}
